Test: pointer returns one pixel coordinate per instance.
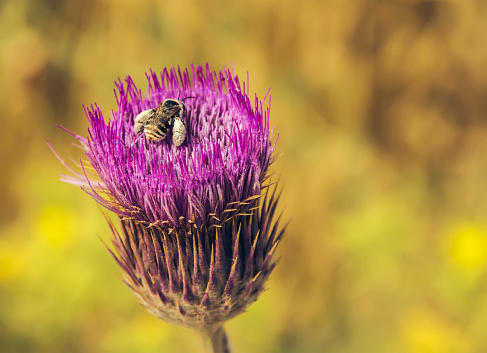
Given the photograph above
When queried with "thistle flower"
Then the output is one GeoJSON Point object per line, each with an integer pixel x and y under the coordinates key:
{"type": "Point", "coordinates": [198, 228]}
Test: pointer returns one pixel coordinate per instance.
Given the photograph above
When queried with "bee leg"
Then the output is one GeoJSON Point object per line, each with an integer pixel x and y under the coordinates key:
{"type": "Point", "coordinates": [142, 119]}
{"type": "Point", "coordinates": [137, 139]}
{"type": "Point", "coordinates": [178, 132]}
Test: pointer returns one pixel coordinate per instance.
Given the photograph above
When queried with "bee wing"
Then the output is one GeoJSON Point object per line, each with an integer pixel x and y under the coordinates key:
{"type": "Point", "coordinates": [171, 111]}
{"type": "Point", "coordinates": [141, 120]}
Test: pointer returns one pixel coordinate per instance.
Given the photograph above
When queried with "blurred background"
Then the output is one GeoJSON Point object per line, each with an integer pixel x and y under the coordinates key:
{"type": "Point", "coordinates": [381, 107]}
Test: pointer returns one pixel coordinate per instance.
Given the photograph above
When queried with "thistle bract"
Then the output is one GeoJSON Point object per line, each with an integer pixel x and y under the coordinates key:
{"type": "Point", "coordinates": [197, 222]}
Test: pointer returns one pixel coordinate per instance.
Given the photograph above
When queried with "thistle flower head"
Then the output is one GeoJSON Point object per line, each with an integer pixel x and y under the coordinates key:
{"type": "Point", "coordinates": [198, 231]}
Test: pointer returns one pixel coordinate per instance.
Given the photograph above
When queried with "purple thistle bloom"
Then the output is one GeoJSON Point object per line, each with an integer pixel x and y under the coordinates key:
{"type": "Point", "coordinates": [197, 221]}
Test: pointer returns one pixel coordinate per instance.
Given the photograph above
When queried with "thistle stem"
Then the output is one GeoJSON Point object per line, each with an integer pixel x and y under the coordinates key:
{"type": "Point", "coordinates": [215, 340]}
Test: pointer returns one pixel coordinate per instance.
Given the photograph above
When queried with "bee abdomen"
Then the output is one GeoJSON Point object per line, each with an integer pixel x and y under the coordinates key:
{"type": "Point", "coordinates": [155, 134]}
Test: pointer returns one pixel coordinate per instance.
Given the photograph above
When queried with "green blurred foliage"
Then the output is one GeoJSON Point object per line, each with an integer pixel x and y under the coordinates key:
{"type": "Point", "coordinates": [381, 107]}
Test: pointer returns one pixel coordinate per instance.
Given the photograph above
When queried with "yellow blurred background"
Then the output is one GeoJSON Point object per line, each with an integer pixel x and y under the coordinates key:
{"type": "Point", "coordinates": [381, 107]}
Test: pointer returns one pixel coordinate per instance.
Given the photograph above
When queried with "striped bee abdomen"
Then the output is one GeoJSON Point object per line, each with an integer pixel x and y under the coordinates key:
{"type": "Point", "coordinates": [156, 132]}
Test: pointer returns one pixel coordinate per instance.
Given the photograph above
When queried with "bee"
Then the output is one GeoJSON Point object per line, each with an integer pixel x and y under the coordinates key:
{"type": "Point", "coordinates": [154, 123]}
